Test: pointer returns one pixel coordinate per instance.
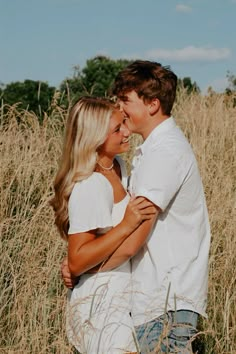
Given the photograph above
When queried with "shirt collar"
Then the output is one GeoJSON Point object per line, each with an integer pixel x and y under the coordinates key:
{"type": "Point", "coordinates": [163, 127]}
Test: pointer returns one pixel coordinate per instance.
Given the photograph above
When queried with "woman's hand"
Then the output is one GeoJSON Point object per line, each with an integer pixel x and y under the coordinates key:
{"type": "Point", "coordinates": [137, 211]}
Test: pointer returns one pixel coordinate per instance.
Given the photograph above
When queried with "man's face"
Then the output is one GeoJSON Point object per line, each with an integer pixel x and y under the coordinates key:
{"type": "Point", "coordinates": [135, 110]}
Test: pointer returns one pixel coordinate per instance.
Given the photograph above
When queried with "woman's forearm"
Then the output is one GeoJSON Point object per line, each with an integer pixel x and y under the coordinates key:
{"type": "Point", "coordinates": [86, 251]}
{"type": "Point", "coordinates": [82, 257]}
{"type": "Point", "coordinates": [130, 246]}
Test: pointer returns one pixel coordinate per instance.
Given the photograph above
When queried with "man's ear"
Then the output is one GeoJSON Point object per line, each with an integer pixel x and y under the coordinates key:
{"type": "Point", "coordinates": [154, 106]}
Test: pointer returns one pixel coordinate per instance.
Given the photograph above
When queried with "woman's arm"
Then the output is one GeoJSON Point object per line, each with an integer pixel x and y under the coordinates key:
{"type": "Point", "coordinates": [131, 245]}
{"type": "Point", "coordinates": [86, 251]}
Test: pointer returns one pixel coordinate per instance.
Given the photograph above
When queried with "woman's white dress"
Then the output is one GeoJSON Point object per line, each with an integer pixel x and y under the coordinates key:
{"type": "Point", "coordinates": [98, 311]}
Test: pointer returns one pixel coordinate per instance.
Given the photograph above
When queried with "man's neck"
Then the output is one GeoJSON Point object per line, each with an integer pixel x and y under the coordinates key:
{"type": "Point", "coordinates": [153, 123]}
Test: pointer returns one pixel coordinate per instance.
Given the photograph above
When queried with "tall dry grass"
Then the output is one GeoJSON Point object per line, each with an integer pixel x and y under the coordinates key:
{"type": "Point", "coordinates": [32, 296]}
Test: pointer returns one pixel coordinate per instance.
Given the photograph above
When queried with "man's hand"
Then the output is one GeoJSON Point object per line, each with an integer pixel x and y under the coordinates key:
{"type": "Point", "coordinates": [69, 280]}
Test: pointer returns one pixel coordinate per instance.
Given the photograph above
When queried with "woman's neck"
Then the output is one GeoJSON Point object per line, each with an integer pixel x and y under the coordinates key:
{"type": "Point", "coordinates": [105, 163]}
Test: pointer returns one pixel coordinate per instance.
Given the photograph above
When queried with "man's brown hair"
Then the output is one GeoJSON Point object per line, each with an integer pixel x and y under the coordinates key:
{"type": "Point", "coordinates": [149, 80]}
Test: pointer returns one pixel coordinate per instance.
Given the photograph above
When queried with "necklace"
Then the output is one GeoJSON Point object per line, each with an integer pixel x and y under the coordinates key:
{"type": "Point", "coordinates": [106, 168]}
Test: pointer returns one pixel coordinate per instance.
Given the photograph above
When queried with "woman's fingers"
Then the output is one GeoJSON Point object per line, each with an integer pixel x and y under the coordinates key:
{"type": "Point", "coordinates": [144, 208]}
{"type": "Point", "coordinates": [142, 203]}
{"type": "Point", "coordinates": [137, 211]}
{"type": "Point", "coordinates": [150, 210]}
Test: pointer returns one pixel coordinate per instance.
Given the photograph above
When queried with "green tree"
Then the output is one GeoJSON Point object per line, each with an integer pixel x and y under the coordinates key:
{"type": "Point", "coordinates": [231, 89]}
{"type": "Point", "coordinates": [97, 76]}
{"type": "Point", "coordinates": [232, 83]}
{"type": "Point", "coordinates": [31, 95]}
{"type": "Point", "coordinates": [1, 90]}
{"type": "Point", "coordinates": [188, 85]}
{"type": "Point", "coordinates": [94, 79]}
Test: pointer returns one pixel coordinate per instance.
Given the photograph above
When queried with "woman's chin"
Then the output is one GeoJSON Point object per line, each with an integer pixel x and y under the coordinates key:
{"type": "Point", "coordinates": [125, 147]}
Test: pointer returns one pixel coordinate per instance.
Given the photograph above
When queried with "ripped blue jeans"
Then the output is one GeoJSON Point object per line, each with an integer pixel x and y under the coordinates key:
{"type": "Point", "coordinates": [170, 333]}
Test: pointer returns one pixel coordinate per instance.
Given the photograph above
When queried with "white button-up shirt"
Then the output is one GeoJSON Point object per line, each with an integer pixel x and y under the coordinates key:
{"type": "Point", "coordinates": [171, 271]}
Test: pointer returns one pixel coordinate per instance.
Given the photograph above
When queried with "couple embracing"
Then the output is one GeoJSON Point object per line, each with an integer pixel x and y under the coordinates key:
{"type": "Point", "coordinates": [141, 254]}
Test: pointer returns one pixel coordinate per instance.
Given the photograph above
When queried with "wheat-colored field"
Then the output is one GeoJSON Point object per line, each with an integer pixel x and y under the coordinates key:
{"type": "Point", "coordinates": [32, 295]}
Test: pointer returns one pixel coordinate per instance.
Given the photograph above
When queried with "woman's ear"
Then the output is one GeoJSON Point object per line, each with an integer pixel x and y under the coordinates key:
{"type": "Point", "coordinates": [154, 106]}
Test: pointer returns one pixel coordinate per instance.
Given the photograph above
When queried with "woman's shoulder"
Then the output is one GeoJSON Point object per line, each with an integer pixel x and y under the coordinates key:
{"type": "Point", "coordinates": [92, 180]}
{"type": "Point", "coordinates": [90, 204]}
{"type": "Point", "coordinates": [95, 184]}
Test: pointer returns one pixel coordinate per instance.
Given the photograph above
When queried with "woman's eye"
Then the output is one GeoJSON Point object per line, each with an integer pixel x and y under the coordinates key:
{"type": "Point", "coordinates": [117, 129]}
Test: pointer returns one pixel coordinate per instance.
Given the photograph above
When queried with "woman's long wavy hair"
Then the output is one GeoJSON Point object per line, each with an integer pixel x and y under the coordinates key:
{"type": "Point", "coordinates": [86, 130]}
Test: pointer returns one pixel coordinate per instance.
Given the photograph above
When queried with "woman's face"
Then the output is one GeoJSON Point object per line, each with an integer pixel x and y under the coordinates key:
{"type": "Point", "coordinates": [118, 137]}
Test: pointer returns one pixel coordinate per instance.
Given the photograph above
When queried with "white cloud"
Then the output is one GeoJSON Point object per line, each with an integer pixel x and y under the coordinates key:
{"type": "Point", "coordinates": [190, 53]}
{"type": "Point", "coordinates": [183, 8]}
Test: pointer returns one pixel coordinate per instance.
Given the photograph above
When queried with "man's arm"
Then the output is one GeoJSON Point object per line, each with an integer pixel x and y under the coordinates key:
{"type": "Point", "coordinates": [69, 280]}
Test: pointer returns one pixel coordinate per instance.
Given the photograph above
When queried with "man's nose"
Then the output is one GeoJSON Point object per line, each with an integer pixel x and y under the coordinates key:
{"type": "Point", "coordinates": [126, 130]}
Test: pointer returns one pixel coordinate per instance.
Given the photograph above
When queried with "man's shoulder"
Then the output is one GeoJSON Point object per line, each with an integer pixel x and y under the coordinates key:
{"type": "Point", "coordinates": [173, 142]}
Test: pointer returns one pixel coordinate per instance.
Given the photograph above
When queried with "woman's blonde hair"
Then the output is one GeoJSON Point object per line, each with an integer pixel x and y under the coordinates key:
{"type": "Point", "coordinates": [86, 130]}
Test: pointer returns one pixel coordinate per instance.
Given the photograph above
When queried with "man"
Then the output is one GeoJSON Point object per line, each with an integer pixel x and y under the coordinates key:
{"type": "Point", "coordinates": [170, 271]}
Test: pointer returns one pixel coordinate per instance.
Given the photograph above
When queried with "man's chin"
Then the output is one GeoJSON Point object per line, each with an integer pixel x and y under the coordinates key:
{"type": "Point", "coordinates": [133, 131]}
{"type": "Point", "coordinates": [131, 128]}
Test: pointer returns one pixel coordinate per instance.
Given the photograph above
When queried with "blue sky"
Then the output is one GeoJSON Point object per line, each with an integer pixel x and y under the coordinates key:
{"type": "Point", "coordinates": [44, 39]}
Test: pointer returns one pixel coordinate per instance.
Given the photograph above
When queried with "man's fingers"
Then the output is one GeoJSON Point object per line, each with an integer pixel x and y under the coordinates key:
{"type": "Point", "coordinates": [69, 285]}
{"type": "Point", "coordinates": [68, 282]}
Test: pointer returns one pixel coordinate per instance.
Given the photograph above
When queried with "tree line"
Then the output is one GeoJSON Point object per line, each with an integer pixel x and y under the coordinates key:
{"type": "Point", "coordinates": [95, 78]}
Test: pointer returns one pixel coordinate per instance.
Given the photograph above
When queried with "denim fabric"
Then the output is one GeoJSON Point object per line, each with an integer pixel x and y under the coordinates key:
{"type": "Point", "coordinates": [170, 333]}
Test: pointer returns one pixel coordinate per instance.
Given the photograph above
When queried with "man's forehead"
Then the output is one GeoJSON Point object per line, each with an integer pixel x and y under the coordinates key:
{"type": "Point", "coordinates": [123, 97]}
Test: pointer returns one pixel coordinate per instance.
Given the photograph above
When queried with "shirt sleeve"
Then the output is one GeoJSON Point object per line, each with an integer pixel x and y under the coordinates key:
{"type": "Point", "coordinates": [90, 205]}
{"type": "Point", "coordinates": [159, 177]}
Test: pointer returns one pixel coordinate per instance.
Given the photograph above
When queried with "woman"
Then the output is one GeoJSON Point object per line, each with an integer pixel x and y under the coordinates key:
{"type": "Point", "coordinates": [95, 215]}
